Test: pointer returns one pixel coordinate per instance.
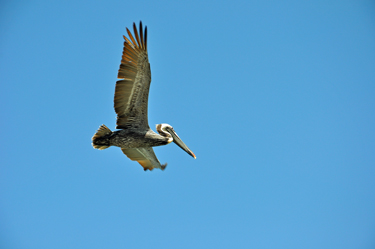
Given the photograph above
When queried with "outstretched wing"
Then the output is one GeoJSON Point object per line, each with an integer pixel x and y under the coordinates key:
{"type": "Point", "coordinates": [145, 157]}
{"type": "Point", "coordinates": [131, 93]}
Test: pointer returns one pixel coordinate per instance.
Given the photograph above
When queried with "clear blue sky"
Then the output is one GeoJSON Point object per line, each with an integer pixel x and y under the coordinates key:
{"type": "Point", "coordinates": [276, 99]}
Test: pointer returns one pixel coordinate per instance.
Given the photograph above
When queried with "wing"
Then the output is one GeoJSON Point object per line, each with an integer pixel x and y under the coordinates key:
{"type": "Point", "coordinates": [131, 93]}
{"type": "Point", "coordinates": [145, 157]}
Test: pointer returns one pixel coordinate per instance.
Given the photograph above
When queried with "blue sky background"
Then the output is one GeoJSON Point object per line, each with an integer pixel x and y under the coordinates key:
{"type": "Point", "coordinates": [276, 99]}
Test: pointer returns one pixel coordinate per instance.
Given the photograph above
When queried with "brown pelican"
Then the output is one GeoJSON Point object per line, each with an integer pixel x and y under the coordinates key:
{"type": "Point", "coordinates": [134, 137]}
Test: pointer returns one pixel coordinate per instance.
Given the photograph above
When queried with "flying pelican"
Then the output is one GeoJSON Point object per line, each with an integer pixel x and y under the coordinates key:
{"type": "Point", "coordinates": [134, 137]}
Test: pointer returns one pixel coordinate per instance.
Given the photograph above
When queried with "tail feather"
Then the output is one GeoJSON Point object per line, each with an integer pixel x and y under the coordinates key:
{"type": "Point", "coordinates": [101, 138]}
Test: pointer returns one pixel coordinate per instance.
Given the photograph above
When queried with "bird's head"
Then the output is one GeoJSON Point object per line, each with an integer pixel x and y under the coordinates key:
{"type": "Point", "coordinates": [167, 130]}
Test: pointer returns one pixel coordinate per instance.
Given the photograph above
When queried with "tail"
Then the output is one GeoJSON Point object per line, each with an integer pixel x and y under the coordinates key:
{"type": "Point", "coordinates": [101, 138]}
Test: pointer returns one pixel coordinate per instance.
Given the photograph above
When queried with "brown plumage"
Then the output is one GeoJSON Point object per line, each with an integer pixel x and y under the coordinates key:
{"type": "Point", "coordinates": [131, 94]}
{"type": "Point", "coordinates": [135, 138]}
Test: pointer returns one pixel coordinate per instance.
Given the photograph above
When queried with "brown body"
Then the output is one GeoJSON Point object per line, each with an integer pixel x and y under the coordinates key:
{"type": "Point", "coordinates": [135, 138]}
{"type": "Point", "coordinates": [130, 138]}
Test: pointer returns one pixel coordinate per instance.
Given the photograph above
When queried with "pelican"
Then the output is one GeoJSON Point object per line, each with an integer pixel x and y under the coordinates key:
{"type": "Point", "coordinates": [134, 136]}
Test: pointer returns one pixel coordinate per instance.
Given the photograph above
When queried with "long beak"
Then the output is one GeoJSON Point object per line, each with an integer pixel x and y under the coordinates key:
{"type": "Point", "coordinates": [179, 142]}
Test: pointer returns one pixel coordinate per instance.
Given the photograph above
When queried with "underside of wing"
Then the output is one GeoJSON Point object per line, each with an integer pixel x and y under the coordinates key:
{"type": "Point", "coordinates": [145, 157]}
{"type": "Point", "coordinates": [131, 93]}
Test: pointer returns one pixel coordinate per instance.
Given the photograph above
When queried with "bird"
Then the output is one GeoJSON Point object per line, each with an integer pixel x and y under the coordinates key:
{"type": "Point", "coordinates": [133, 134]}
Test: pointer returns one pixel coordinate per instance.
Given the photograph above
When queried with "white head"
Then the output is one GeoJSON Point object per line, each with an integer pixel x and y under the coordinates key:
{"type": "Point", "coordinates": [167, 130]}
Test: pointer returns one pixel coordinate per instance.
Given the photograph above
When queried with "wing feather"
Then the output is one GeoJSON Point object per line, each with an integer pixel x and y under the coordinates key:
{"type": "Point", "coordinates": [131, 92]}
{"type": "Point", "coordinates": [145, 157]}
{"type": "Point", "coordinates": [146, 38]}
{"type": "Point", "coordinates": [136, 35]}
{"type": "Point", "coordinates": [142, 42]}
{"type": "Point", "coordinates": [131, 38]}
